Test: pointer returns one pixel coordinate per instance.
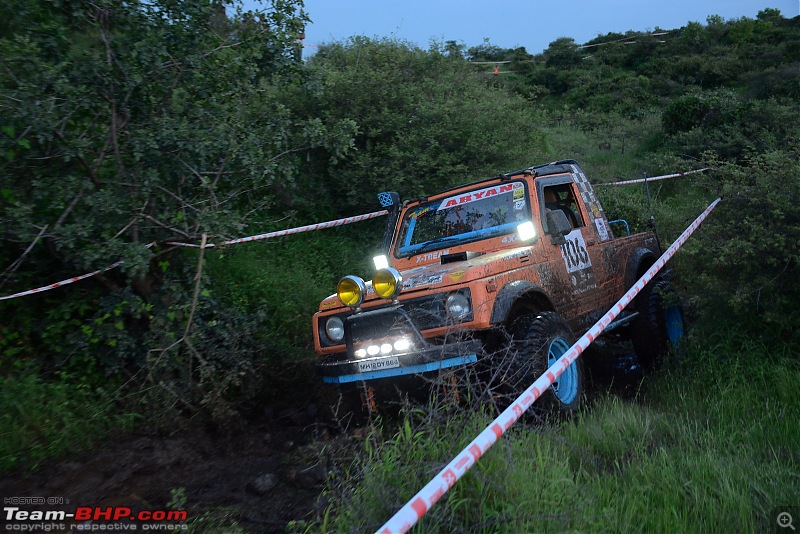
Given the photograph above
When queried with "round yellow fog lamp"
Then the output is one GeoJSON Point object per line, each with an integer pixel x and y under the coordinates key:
{"type": "Point", "coordinates": [387, 283]}
{"type": "Point", "coordinates": [351, 291]}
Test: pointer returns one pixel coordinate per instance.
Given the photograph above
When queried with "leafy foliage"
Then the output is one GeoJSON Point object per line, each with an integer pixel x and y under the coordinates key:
{"type": "Point", "coordinates": [127, 125]}
{"type": "Point", "coordinates": [425, 122]}
{"type": "Point", "coordinates": [160, 122]}
{"type": "Point", "coordinates": [750, 250]}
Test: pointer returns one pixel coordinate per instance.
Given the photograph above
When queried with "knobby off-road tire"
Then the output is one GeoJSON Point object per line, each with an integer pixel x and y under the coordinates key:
{"type": "Point", "coordinates": [659, 326]}
{"type": "Point", "coordinates": [537, 341]}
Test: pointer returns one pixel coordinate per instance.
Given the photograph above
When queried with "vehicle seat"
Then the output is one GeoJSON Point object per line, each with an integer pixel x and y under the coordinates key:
{"type": "Point", "coordinates": [551, 202]}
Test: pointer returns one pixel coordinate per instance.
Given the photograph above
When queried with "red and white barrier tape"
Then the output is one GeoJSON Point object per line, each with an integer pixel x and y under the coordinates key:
{"type": "Point", "coordinates": [420, 503]}
{"type": "Point", "coordinates": [289, 231]}
{"type": "Point", "coordinates": [68, 280]}
{"type": "Point", "coordinates": [654, 178]}
{"type": "Point", "coordinates": [297, 230]}
{"type": "Point", "coordinates": [61, 283]}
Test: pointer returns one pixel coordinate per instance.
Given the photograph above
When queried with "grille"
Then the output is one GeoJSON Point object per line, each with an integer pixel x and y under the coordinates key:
{"type": "Point", "coordinates": [410, 319]}
{"type": "Point", "coordinates": [428, 312]}
{"type": "Point", "coordinates": [388, 323]}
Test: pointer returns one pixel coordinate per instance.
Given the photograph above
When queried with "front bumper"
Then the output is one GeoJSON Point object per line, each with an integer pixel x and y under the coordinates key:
{"type": "Point", "coordinates": [430, 358]}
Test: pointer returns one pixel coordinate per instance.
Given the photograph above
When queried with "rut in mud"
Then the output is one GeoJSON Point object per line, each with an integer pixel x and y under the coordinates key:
{"type": "Point", "coordinates": [262, 476]}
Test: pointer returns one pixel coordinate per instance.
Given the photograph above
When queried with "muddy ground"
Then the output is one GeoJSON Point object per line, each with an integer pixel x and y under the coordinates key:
{"type": "Point", "coordinates": [263, 476]}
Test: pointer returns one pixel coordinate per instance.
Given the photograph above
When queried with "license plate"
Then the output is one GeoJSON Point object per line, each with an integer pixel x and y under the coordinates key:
{"type": "Point", "coordinates": [377, 365]}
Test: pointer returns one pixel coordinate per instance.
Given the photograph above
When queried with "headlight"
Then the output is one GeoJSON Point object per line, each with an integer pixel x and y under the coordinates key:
{"type": "Point", "coordinates": [381, 262]}
{"type": "Point", "coordinates": [458, 306]}
{"type": "Point", "coordinates": [387, 283]}
{"type": "Point", "coordinates": [351, 291]}
{"type": "Point", "coordinates": [334, 327]}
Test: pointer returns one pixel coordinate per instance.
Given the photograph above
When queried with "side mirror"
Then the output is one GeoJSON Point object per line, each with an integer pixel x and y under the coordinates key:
{"type": "Point", "coordinates": [558, 226]}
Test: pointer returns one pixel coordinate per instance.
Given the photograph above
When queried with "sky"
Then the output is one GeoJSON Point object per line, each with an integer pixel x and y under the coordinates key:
{"type": "Point", "coordinates": [533, 24]}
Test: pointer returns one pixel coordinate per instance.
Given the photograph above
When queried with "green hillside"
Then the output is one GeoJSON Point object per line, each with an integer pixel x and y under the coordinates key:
{"type": "Point", "coordinates": [127, 126]}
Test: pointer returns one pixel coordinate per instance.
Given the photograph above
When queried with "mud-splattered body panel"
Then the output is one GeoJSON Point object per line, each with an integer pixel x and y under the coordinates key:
{"type": "Point", "coordinates": [578, 273]}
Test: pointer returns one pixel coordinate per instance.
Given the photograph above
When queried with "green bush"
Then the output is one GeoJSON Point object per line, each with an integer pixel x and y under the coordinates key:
{"type": "Point", "coordinates": [425, 120]}
{"type": "Point", "coordinates": [745, 260]}
{"type": "Point", "coordinates": [685, 113]}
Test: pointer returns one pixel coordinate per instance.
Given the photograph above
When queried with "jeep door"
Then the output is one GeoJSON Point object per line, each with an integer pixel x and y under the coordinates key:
{"type": "Point", "coordinates": [575, 259]}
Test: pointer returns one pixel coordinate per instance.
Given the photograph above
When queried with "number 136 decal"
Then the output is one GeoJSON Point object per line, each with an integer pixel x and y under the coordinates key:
{"type": "Point", "coordinates": [576, 258]}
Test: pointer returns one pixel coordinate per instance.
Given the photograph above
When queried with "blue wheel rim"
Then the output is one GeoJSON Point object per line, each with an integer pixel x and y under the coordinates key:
{"type": "Point", "coordinates": [674, 324]}
{"type": "Point", "coordinates": [566, 386]}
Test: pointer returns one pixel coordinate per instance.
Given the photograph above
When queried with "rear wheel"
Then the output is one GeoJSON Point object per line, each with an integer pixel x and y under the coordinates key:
{"type": "Point", "coordinates": [659, 327]}
{"type": "Point", "coordinates": [538, 340]}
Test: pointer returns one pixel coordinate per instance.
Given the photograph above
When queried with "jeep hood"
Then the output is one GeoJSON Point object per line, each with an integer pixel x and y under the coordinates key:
{"type": "Point", "coordinates": [428, 278]}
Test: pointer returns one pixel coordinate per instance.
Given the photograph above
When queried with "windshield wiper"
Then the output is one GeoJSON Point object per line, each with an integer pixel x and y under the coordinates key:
{"type": "Point", "coordinates": [438, 241]}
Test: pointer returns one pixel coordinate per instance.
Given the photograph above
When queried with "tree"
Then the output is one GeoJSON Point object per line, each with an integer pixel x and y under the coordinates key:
{"type": "Point", "coordinates": [425, 122]}
{"type": "Point", "coordinates": [129, 124]}
{"type": "Point", "coordinates": [748, 257]}
{"type": "Point", "coordinates": [486, 51]}
{"type": "Point", "coordinates": [563, 53]}
{"type": "Point", "coordinates": [140, 122]}
{"type": "Point", "coordinates": [454, 49]}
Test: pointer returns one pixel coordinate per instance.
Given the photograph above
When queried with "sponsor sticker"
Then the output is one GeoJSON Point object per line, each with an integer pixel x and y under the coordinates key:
{"type": "Point", "coordinates": [422, 280]}
{"type": "Point", "coordinates": [419, 213]}
{"type": "Point", "coordinates": [457, 275]}
{"type": "Point", "coordinates": [430, 256]}
{"type": "Point", "coordinates": [472, 196]}
{"type": "Point", "coordinates": [602, 230]}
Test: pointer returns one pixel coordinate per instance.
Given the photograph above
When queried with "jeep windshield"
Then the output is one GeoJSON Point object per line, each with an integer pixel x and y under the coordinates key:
{"type": "Point", "coordinates": [463, 218]}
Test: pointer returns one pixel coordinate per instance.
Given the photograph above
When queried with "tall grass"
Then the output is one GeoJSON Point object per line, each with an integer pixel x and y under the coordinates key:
{"type": "Point", "coordinates": [709, 445]}
{"type": "Point", "coordinates": [286, 278]}
{"type": "Point", "coordinates": [48, 420]}
{"type": "Point", "coordinates": [610, 147]}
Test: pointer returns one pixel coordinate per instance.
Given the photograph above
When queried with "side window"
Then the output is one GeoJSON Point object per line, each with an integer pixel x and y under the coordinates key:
{"type": "Point", "coordinates": [561, 197]}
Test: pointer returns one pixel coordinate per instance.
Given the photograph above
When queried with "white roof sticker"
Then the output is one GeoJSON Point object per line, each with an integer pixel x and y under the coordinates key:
{"type": "Point", "coordinates": [472, 196]}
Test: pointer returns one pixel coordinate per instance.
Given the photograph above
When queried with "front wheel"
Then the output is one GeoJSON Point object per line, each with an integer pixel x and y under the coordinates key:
{"type": "Point", "coordinates": [538, 340]}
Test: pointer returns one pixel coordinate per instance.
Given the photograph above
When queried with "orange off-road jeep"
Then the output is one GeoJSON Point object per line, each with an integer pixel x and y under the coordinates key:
{"type": "Point", "coordinates": [512, 265]}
